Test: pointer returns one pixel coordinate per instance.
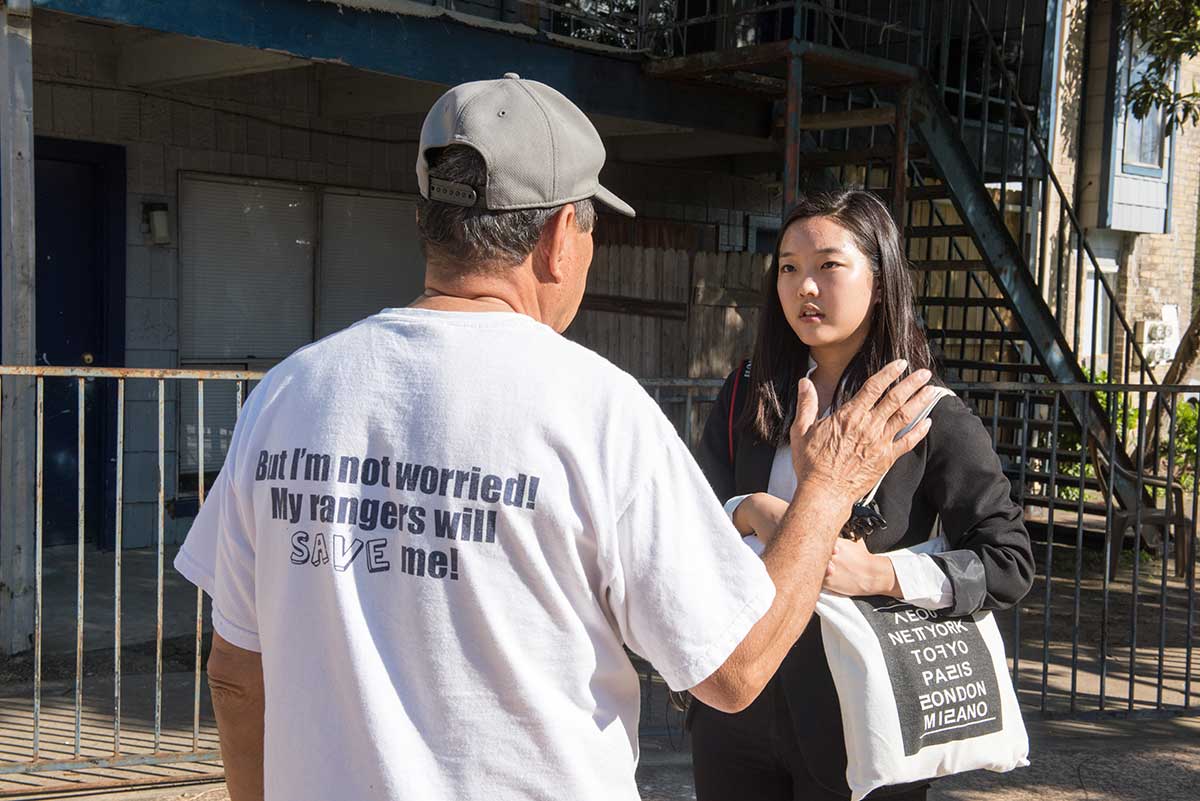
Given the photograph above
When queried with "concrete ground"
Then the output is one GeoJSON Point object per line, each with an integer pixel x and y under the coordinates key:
{"type": "Point", "coordinates": [1126, 760]}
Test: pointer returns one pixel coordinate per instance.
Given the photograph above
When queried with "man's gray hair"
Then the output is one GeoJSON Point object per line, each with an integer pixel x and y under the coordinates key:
{"type": "Point", "coordinates": [475, 239]}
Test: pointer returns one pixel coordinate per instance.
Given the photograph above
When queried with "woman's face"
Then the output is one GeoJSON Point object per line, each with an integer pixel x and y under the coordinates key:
{"type": "Point", "coordinates": [825, 283]}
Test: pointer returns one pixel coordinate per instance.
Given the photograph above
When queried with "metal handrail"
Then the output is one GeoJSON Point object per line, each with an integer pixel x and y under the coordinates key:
{"type": "Point", "coordinates": [998, 59]}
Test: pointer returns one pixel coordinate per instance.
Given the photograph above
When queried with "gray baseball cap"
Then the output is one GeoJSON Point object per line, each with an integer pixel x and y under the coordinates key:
{"type": "Point", "coordinates": [541, 150]}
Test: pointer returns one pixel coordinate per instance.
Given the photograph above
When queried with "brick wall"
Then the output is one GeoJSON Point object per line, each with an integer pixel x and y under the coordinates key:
{"type": "Point", "coordinates": [1166, 262]}
{"type": "Point", "coordinates": [1157, 269]}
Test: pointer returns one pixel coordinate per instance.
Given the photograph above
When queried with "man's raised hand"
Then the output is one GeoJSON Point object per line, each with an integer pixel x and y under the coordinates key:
{"type": "Point", "coordinates": [851, 449]}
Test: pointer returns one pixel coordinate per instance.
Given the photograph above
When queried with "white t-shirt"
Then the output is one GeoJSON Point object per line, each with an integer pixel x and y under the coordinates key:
{"type": "Point", "coordinates": [440, 528]}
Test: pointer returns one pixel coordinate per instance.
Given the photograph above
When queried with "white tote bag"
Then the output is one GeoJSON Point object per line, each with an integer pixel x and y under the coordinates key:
{"type": "Point", "coordinates": [922, 694]}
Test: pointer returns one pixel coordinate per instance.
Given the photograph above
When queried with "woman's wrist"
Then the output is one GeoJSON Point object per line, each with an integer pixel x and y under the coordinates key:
{"type": "Point", "coordinates": [886, 581]}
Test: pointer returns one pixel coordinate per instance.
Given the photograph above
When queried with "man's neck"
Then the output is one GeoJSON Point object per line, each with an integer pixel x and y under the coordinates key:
{"type": "Point", "coordinates": [432, 299]}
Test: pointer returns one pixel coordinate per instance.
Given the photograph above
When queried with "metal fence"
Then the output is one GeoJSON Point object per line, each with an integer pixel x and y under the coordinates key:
{"type": "Point", "coordinates": [41, 733]}
{"type": "Point", "coordinates": [1105, 629]}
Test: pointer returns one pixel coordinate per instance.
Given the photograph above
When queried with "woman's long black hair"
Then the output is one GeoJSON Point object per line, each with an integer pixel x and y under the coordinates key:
{"type": "Point", "coordinates": [780, 358]}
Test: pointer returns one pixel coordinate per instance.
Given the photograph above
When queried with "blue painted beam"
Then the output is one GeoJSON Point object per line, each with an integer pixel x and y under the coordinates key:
{"type": "Point", "coordinates": [440, 50]}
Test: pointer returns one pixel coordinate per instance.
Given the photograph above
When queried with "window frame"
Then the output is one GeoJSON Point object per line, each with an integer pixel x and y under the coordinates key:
{"type": "Point", "coordinates": [1132, 166]}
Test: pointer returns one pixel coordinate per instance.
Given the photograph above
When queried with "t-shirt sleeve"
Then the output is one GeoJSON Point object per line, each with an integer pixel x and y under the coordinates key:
{"type": "Point", "coordinates": [684, 590]}
{"type": "Point", "coordinates": [218, 557]}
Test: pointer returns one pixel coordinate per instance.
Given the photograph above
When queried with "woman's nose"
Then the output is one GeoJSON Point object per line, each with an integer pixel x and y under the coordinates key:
{"type": "Point", "coordinates": [808, 288]}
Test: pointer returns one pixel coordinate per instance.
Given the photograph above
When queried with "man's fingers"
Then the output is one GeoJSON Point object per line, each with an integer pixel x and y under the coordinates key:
{"type": "Point", "coordinates": [900, 394]}
{"type": "Point", "coordinates": [806, 408]}
{"type": "Point", "coordinates": [910, 440]}
{"type": "Point", "coordinates": [874, 387]}
{"type": "Point", "coordinates": [909, 411]}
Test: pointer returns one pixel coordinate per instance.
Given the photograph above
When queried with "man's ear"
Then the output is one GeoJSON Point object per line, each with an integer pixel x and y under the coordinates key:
{"type": "Point", "coordinates": [555, 241]}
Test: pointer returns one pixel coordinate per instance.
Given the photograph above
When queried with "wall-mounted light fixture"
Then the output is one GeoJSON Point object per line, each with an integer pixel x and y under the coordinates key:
{"type": "Point", "coordinates": [156, 223]}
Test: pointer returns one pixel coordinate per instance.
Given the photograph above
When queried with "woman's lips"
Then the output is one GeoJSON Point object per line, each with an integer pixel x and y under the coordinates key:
{"type": "Point", "coordinates": [811, 318]}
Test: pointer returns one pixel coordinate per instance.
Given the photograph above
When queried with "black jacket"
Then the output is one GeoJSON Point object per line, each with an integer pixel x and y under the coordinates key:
{"type": "Point", "coordinates": [953, 473]}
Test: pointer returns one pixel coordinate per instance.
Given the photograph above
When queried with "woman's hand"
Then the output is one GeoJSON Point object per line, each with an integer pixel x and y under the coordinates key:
{"type": "Point", "coordinates": [853, 570]}
{"type": "Point", "coordinates": [759, 514]}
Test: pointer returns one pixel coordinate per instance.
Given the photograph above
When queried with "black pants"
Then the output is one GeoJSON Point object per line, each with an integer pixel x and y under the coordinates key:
{"type": "Point", "coordinates": [754, 756]}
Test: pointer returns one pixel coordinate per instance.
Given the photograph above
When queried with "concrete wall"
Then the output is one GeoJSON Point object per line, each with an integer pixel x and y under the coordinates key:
{"type": "Point", "coordinates": [264, 125]}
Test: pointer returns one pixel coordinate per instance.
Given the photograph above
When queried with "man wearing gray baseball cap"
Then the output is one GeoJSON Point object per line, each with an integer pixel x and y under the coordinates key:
{"type": "Point", "coordinates": [436, 531]}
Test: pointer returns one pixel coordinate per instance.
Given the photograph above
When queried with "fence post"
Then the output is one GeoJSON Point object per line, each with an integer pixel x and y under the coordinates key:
{"type": "Point", "coordinates": [17, 450]}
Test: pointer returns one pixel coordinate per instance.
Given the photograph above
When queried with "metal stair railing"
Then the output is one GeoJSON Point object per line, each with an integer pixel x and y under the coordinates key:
{"type": "Point", "coordinates": [1070, 233]}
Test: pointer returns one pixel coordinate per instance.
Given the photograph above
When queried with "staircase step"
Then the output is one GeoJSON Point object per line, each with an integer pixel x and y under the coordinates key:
{"type": "Point", "coordinates": [959, 333]}
{"type": "Point", "coordinates": [879, 156]}
{"type": "Point", "coordinates": [1065, 506]}
{"type": "Point", "coordinates": [936, 231]}
{"type": "Point", "coordinates": [948, 265]}
{"type": "Point", "coordinates": [990, 366]}
{"type": "Point", "coordinates": [855, 118]}
{"type": "Point", "coordinates": [1018, 423]}
{"type": "Point", "coordinates": [1012, 449]}
{"type": "Point", "coordinates": [1032, 400]}
{"type": "Point", "coordinates": [1063, 480]}
{"type": "Point", "coordinates": [986, 303]}
{"type": "Point", "coordinates": [928, 192]}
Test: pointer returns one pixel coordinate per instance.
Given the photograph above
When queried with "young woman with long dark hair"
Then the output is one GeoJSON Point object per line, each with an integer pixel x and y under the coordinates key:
{"type": "Point", "coordinates": [838, 307]}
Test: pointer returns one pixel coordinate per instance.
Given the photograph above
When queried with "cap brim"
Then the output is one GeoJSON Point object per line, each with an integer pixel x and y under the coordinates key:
{"type": "Point", "coordinates": [615, 203]}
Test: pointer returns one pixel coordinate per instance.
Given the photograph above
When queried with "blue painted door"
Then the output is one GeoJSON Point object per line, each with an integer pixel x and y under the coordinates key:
{"type": "Point", "coordinates": [80, 306]}
{"type": "Point", "coordinates": [70, 332]}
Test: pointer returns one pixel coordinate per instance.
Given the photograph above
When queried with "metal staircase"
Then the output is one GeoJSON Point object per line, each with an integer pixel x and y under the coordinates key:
{"type": "Point", "coordinates": [1003, 269]}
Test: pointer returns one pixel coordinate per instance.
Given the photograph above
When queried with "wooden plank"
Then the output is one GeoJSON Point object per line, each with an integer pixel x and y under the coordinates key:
{"type": "Point", "coordinates": [856, 118]}
{"type": "Point", "coordinates": [17, 298]}
{"type": "Point", "coordinates": [630, 328]}
{"type": "Point", "coordinates": [620, 304]}
{"type": "Point", "coordinates": [726, 296]}
{"type": "Point", "coordinates": [651, 327]}
{"type": "Point", "coordinates": [717, 61]}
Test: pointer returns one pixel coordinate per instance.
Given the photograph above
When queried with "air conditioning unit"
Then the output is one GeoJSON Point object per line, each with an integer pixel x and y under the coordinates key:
{"type": "Point", "coordinates": [1159, 338]}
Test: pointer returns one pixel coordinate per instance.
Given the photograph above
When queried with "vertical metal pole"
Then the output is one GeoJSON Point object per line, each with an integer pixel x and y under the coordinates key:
{"type": "Point", "coordinates": [119, 526]}
{"type": "Point", "coordinates": [39, 484]}
{"type": "Point", "coordinates": [985, 93]}
{"type": "Point", "coordinates": [1191, 587]}
{"type": "Point", "coordinates": [81, 516]}
{"type": "Point", "coordinates": [962, 71]}
{"type": "Point", "coordinates": [1025, 403]}
{"type": "Point", "coordinates": [1049, 569]}
{"type": "Point", "coordinates": [199, 592]}
{"type": "Point", "coordinates": [791, 158]}
{"type": "Point", "coordinates": [158, 631]}
{"type": "Point", "coordinates": [1168, 503]}
{"type": "Point", "coordinates": [1085, 403]}
{"type": "Point", "coordinates": [17, 312]}
{"type": "Point", "coordinates": [1137, 550]}
{"type": "Point", "coordinates": [1108, 551]}
{"type": "Point", "coordinates": [900, 174]}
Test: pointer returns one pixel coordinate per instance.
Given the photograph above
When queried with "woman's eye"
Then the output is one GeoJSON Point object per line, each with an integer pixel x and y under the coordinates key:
{"type": "Point", "coordinates": [787, 268]}
{"type": "Point", "coordinates": [829, 265]}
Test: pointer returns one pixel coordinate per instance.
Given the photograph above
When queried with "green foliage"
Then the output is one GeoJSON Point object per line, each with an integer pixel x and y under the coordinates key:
{"type": "Point", "coordinates": [1186, 418]}
{"type": "Point", "coordinates": [1170, 32]}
